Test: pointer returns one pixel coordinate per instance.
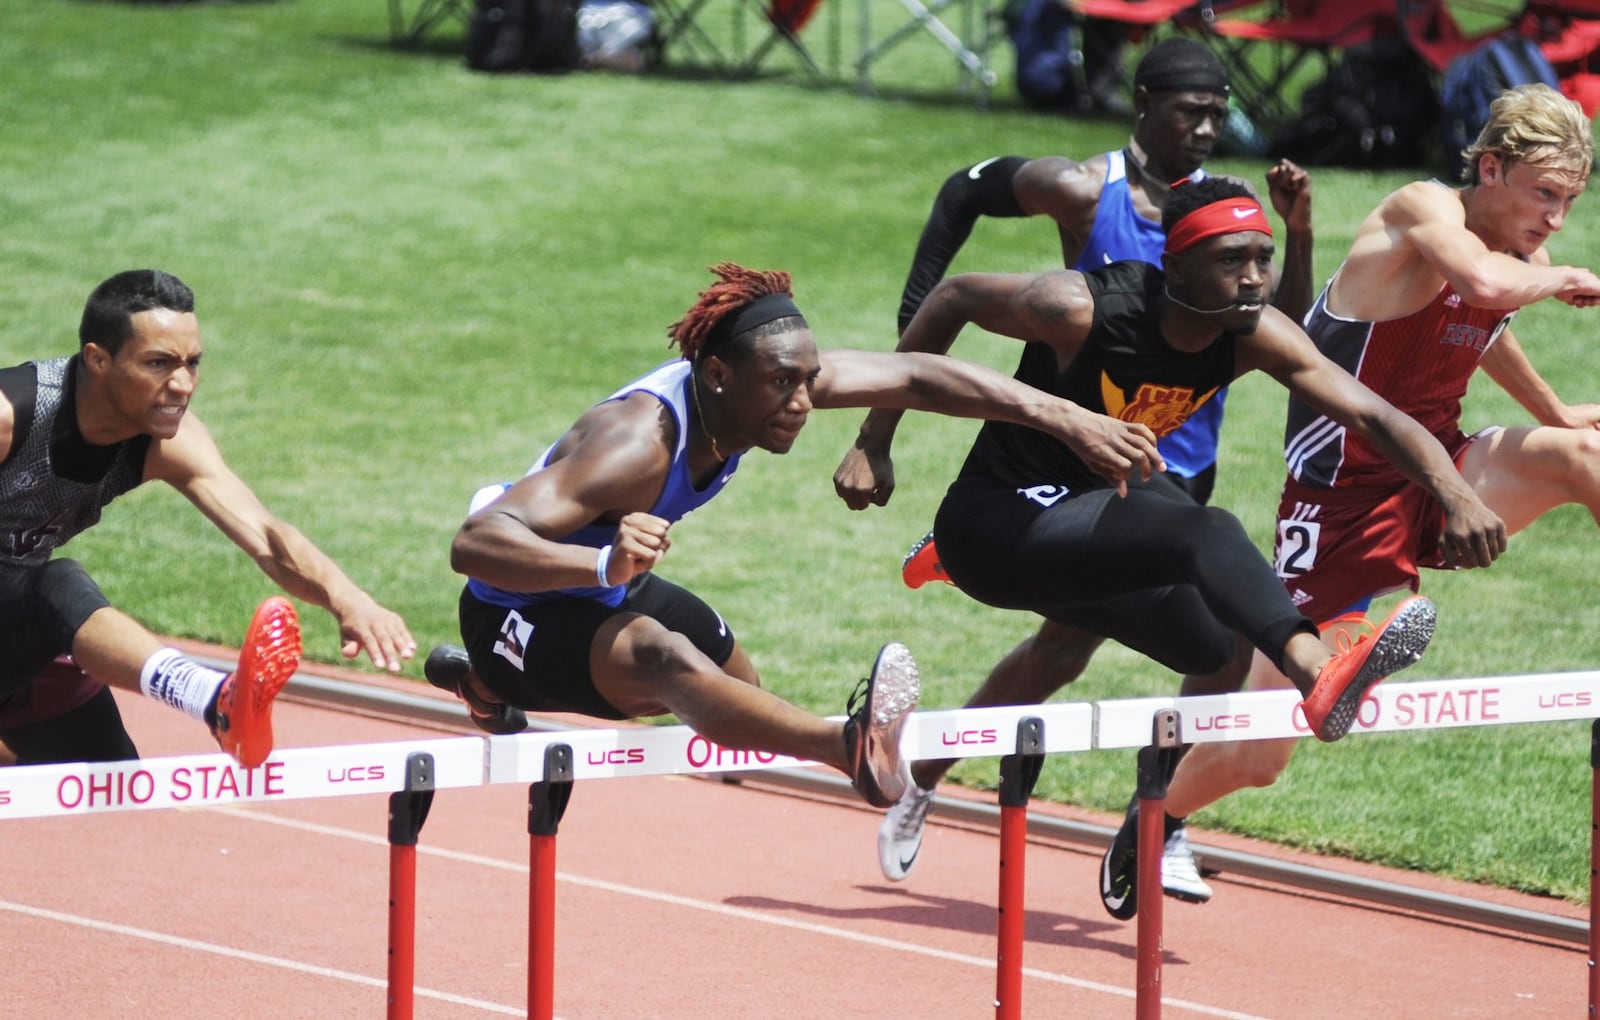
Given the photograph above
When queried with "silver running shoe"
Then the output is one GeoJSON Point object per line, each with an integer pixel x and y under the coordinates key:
{"type": "Point", "coordinates": [877, 715]}
{"type": "Point", "coordinates": [900, 834]}
{"type": "Point", "coordinates": [1180, 872]}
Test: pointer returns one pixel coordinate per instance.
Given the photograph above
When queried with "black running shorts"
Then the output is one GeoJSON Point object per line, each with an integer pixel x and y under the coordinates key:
{"type": "Point", "coordinates": [536, 657]}
{"type": "Point", "coordinates": [41, 609]}
{"type": "Point", "coordinates": [1153, 570]}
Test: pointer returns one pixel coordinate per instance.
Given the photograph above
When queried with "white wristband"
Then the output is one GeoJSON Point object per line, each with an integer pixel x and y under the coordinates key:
{"type": "Point", "coordinates": [601, 563]}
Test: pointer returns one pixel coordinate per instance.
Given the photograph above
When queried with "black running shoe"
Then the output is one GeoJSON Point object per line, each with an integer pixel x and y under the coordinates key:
{"type": "Point", "coordinates": [447, 667]}
{"type": "Point", "coordinates": [1119, 871]}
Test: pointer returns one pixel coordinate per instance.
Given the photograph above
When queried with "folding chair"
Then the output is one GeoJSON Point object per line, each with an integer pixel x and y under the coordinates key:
{"type": "Point", "coordinates": [1568, 33]}
{"type": "Point", "coordinates": [1296, 31]}
{"type": "Point", "coordinates": [1432, 32]}
{"type": "Point", "coordinates": [970, 49]}
{"type": "Point", "coordinates": [786, 18]}
{"type": "Point", "coordinates": [1143, 16]}
{"type": "Point", "coordinates": [409, 30]}
{"type": "Point", "coordinates": [1146, 18]}
{"type": "Point", "coordinates": [679, 27]}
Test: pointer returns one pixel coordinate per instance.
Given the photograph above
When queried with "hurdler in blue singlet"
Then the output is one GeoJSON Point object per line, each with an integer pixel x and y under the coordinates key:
{"type": "Point", "coordinates": [1120, 233]}
{"type": "Point", "coordinates": [670, 384]}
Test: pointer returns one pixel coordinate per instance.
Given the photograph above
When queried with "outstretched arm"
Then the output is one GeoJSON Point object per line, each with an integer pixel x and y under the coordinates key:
{"type": "Point", "coordinates": [1418, 237]}
{"type": "Point", "coordinates": [191, 463]}
{"type": "Point", "coordinates": [983, 189]}
{"type": "Point", "coordinates": [926, 382]}
{"type": "Point", "coordinates": [1474, 536]}
{"type": "Point", "coordinates": [1053, 308]}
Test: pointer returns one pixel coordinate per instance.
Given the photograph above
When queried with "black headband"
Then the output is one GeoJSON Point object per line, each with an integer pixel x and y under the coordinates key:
{"type": "Point", "coordinates": [1181, 65]}
{"type": "Point", "coordinates": [759, 312]}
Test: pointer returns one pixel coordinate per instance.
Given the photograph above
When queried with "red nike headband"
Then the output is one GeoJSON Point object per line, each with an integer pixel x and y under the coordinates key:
{"type": "Point", "coordinates": [1229, 216]}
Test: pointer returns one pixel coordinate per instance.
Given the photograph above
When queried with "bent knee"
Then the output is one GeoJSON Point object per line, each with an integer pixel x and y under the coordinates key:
{"type": "Point", "coordinates": [669, 656]}
{"type": "Point", "coordinates": [647, 668]}
{"type": "Point", "coordinates": [1261, 762]}
{"type": "Point", "coordinates": [1060, 652]}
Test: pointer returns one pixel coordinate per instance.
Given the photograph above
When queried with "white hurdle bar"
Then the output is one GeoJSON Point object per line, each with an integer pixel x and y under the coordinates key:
{"type": "Point", "coordinates": [1388, 708]}
{"type": "Point", "coordinates": [209, 780]}
{"type": "Point", "coordinates": [551, 761]}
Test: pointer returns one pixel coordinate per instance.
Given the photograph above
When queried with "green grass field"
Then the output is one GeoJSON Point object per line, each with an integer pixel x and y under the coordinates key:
{"type": "Point", "coordinates": [411, 277]}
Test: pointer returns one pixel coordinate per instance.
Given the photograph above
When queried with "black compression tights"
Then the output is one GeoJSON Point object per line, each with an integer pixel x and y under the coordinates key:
{"type": "Point", "coordinates": [1154, 570]}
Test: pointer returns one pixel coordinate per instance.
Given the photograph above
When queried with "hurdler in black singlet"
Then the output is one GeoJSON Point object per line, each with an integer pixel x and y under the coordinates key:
{"type": "Point", "coordinates": [1125, 369]}
{"type": "Point", "coordinates": [54, 483]}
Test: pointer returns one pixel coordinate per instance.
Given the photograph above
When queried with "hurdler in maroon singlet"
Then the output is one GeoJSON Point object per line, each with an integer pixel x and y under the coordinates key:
{"type": "Point", "coordinates": [1345, 508]}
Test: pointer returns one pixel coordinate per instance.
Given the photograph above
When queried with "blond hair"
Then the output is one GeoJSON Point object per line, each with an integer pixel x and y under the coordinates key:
{"type": "Point", "coordinates": [1534, 124]}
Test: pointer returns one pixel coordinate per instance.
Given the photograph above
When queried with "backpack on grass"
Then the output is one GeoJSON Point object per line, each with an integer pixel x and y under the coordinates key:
{"type": "Point", "coordinates": [1375, 109]}
{"type": "Point", "coordinates": [523, 35]}
{"type": "Point", "coordinates": [1476, 78]}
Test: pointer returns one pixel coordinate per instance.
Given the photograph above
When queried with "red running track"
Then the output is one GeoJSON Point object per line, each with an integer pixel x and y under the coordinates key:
{"type": "Point", "coordinates": [679, 898]}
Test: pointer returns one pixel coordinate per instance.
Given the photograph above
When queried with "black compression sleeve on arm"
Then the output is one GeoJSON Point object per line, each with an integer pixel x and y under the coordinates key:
{"type": "Point", "coordinates": [980, 190]}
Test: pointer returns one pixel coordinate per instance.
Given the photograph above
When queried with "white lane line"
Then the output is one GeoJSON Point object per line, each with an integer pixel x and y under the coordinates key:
{"type": "Point", "coordinates": [243, 954]}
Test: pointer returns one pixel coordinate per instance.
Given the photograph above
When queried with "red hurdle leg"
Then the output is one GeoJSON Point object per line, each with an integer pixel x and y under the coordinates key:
{"type": "Point", "coordinates": [1594, 871]}
{"type": "Point", "coordinates": [1154, 767]}
{"type": "Point", "coordinates": [402, 929]}
{"type": "Point", "coordinates": [542, 927]}
{"type": "Point", "coordinates": [1018, 773]}
{"type": "Point", "coordinates": [1151, 905]}
{"type": "Point", "coordinates": [547, 801]}
{"type": "Point", "coordinates": [408, 809]}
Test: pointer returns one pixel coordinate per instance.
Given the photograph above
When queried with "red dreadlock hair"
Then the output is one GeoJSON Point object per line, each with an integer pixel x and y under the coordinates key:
{"type": "Point", "coordinates": [736, 287]}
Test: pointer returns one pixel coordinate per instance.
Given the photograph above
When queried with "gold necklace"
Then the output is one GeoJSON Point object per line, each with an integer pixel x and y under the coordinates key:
{"type": "Point", "coordinates": [694, 391]}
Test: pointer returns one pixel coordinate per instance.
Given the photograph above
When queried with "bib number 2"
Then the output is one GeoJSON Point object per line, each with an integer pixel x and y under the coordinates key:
{"type": "Point", "coordinates": [1296, 550]}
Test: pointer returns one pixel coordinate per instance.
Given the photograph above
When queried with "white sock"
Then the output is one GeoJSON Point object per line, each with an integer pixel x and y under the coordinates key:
{"type": "Point", "coordinates": [173, 680]}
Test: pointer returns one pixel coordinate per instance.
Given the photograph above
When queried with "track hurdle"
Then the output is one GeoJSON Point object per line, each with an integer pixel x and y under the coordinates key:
{"type": "Point", "coordinates": [1018, 774]}
{"type": "Point", "coordinates": [1022, 736]}
{"type": "Point", "coordinates": [407, 770]}
{"type": "Point", "coordinates": [408, 809]}
{"type": "Point", "coordinates": [1594, 869]}
{"type": "Point", "coordinates": [306, 772]}
{"type": "Point", "coordinates": [1406, 706]}
{"type": "Point", "coordinates": [547, 802]}
{"type": "Point", "coordinates": [551, 763]}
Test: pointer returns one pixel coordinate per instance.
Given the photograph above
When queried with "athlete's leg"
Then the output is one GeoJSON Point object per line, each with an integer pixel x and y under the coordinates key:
{"type": "Point", "coordinates": [1054, 656]}
{"type": "Point", "coordinates": [1087, 550]}
{"type": "Point", "coordinates": [117, 650]}
{"type": "Point", "coordinates": [75, 615]}
{"type": "Point", "coordinates": [641, 667]}
{"type": "Point", "coordinates": [113, 647]}
{"type": "Point", "coordinates": [644, 669]}
{"type": "Point", "coordinates": [1522, 473]}
{"type": "Point", "coordinates": [92, 731]}
{"type": "Point", "coordinates": [1211, 771]}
